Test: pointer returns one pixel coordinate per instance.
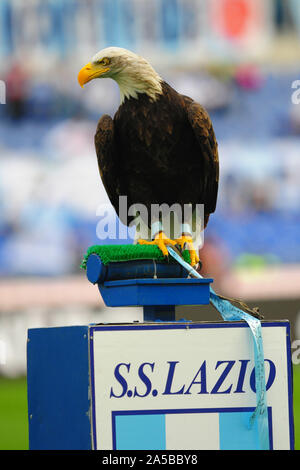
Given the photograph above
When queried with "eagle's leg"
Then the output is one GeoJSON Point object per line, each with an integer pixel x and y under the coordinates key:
{"type": "Point", "coordinates": [159, 238]}
{"type": "Point", "coordinates": [186, 241]}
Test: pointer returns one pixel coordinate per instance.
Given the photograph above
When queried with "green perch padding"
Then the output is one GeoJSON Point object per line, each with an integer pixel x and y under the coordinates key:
{"type": "Point", "coordinates": [117, 253]}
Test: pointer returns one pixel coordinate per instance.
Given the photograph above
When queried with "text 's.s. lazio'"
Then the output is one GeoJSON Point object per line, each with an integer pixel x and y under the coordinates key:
{"type": "Point", "coordinates": [224, 377]}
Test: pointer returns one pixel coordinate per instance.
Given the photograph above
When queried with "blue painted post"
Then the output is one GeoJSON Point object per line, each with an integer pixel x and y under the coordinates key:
{"type": "Point", "coordinates": [159, 312]}
{"type": "Point", "coordinates": [58, 388]}
{"type": "Point", "coordinates": [86, 387]}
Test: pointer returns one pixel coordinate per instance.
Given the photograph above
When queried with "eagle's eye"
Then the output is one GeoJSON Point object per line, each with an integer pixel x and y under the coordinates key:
{"type": "Point", "coordinates": [104, 61]}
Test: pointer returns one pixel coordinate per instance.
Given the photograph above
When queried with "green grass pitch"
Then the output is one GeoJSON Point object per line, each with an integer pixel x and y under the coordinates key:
{"type": "Point", "coordinates": [13, 413]}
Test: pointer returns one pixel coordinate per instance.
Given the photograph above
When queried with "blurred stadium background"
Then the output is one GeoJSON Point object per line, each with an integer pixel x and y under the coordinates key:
{"type": "Point", "coordinates": [240, 59]}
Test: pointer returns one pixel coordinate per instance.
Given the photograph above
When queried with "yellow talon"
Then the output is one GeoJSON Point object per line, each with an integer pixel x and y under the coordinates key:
{"type": "Point", "coordinates": [188, 241]}
{"type": "Point", "coordinates": [160, 240]}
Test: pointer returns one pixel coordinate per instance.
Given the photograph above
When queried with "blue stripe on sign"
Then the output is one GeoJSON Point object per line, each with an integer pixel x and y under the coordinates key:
{"type": "Point", "coordinates": [140, 432]}
{"type": "Point", "coordinates": [235, 433]}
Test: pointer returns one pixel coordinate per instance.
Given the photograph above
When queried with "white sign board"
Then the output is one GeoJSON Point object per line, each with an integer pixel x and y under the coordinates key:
{"type": "Point", "coordinates": [187, 386]}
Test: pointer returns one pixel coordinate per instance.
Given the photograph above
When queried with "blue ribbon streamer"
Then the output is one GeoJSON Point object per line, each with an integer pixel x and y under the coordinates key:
{"type": "Point", "coordinates": [231, 313]}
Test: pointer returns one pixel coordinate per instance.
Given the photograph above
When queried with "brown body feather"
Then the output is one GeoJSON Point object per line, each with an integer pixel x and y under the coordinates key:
{"type": "Point", "coordinates": [162, 151]}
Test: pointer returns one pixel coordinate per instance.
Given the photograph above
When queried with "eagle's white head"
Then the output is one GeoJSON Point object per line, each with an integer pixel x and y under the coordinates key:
{"type": "Point", "coordinates": [132, 72]}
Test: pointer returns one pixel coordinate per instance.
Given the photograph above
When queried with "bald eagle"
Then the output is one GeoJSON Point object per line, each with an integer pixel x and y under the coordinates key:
{"type": "Point", "coordinates": [160, 147]}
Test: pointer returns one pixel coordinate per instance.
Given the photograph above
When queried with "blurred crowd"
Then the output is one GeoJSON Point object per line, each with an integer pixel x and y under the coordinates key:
{"type": "Point", "coordinates": [49, 183]}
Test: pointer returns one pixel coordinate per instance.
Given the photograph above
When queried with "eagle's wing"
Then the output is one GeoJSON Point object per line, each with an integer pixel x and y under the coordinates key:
{"type": "Point", "coordinates": [108, 164]}
{"type": "Point", "coordinates": [208, 151]}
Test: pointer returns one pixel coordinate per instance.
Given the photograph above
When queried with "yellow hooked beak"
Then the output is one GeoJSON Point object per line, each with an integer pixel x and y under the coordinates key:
{"type": "Point", "coordinates": [90, 71]}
